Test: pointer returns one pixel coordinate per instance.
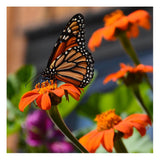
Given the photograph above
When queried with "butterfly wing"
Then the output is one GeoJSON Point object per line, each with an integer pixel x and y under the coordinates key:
{"type": "Point", "coordinates": [70, 61]}
{"type": "Point", "coordinates": [75, 66]}
{"type": "Point", "coordinates": [72, 35]}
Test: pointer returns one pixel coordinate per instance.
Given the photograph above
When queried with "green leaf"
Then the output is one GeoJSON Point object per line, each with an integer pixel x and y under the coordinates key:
{"type": "Point", "coordinates": [91, 107]}
{"type": "Point", "coordinates": [25, 73]}
{"type": "Point", "coordinates": [14, 117]}
{"type": "Point", "coordinates": [66, 107]}
{"type": "Point", "coordinates": [15, 89]}
{"type": "Point", "coordinates": [12, 85]}
{"type": "Point", "coordinates": [16, 81]}
{"type": "Point", "coordinates": [121, 98]}
{"type": "Point", "coordinates": [13, 127]}
{"type": "Point", "coordinates": [106, 99]}
{"type": "Point", "coordinates": [125, 101]}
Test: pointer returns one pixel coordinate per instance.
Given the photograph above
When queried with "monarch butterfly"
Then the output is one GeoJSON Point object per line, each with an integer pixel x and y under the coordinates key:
{"type": "Point", "coordinates": [70, 61]}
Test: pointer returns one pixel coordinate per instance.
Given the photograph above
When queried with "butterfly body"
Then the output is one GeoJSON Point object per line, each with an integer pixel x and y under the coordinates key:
{"type": "Point", "coordinates": [70, 61]}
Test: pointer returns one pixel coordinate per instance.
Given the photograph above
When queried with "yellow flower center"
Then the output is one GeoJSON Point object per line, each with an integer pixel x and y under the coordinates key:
{"type": "Point", "coordinates": [107, 120]}
{"type": "Point", "coordinates": [113, 17]}
{"type": "Point", "coordinates": [45, 86]}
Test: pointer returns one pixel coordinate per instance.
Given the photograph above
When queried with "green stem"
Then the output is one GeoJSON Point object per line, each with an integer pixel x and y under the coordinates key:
{"type": "Point", "coordinates": [131, 52]}
{"type": "Point", "coordinates": [147, 80]}
{"type": "Point", "coordinates": [128, 47]}
{"type": "Point", "coordinates": [57, 119]}
{"type": "Point", "coordinates": [118, 144]}
{"type": "Point", "coordinates": [140, 100]}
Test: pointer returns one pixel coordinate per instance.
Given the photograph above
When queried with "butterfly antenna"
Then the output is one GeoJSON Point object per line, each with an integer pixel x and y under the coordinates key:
{"type": "Point", "coordinates": [33, 78]}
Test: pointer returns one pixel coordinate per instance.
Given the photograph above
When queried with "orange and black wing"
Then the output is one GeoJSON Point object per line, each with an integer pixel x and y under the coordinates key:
{"type": "Point", "coordinates": [75, 66]}
{"type": "Point", "coordinates": [70, 61]}
{"type": "Point", "coordinates": [72, 35]}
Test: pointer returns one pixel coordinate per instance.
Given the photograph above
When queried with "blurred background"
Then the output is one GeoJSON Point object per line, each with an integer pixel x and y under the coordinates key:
{"type": "Point", "coordinates": [33, 31]}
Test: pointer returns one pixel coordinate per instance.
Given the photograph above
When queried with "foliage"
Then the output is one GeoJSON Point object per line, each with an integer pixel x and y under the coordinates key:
{"type": "Point", "coordinates": [121, 98]}
{"type": "Point", "coordinates": [16, 87]}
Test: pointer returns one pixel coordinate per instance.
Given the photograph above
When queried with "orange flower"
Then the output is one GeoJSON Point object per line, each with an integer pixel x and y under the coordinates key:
{"type": "Point", "coordinates": [108, 123]}
{"type": "Point", "coordinates": [117, 22]}
{"type": "Point", "coordinates": [129, 74]}
{"type": "Point", "coordinates": [47, 93]}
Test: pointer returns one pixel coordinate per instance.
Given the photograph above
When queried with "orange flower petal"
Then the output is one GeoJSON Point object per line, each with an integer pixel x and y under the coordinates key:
{"type": "Point", "coordinates": [122, 65]}
{"type": "Point", "coordinates": [58, 91]}
{"type": "Point", "coordinates": [140, 127]}
{"type": "Point", "coordinates": [92, 140]}
{"type": "Point", "coordinates": [38, 100]}
{"type": "Point", "coordinates": [27, 98]}
{"type": "Point", "coordinates": [75, 95]}
{"type": "Point", "coordinates": [75, 92]}
{"type": "Point", "coordinates": [141, 17]}
{"type": "Point", "coordinates": [125, 128]}
{"type": "Point", "coordinates": [114, 76]}
{"type": "Point", "coordinates": [95, 141]}
{"type": "Point", "coordinates": [139, 121]}
{"type": "Point", "coordinates": [126, 67]}
{"type": "Point", "coordinates": [121, 73]}
{"type": "Point", "coordinates": [109, 78]}
{"type": "Point", "coordinates": [145, 23]}
{"type": "Point", "coordinates": [117, 20]}
{"type": "Point", "coordinates": [143, 68]}
{"type": "Point", "coordinates": [70, 87]}
{"type": "Point", "coordinates": [72, 90]}
{"type": "Point", "coordinates": [95, 39]}
{"type": "Point", "coordinates": [86, 138]}
{"type": "Point", "coordinates": [139, 118]}
{"type": "Point", "coordinates": [111, 18]}
{"type": "Point", "coordinates": [45, 102]}
{"type": "Point", "coordinates": [108, 33]}
{"type": "Point", "coordinates": [122, 23]}
{"type": "Point", "coordinates": [108, 140]}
